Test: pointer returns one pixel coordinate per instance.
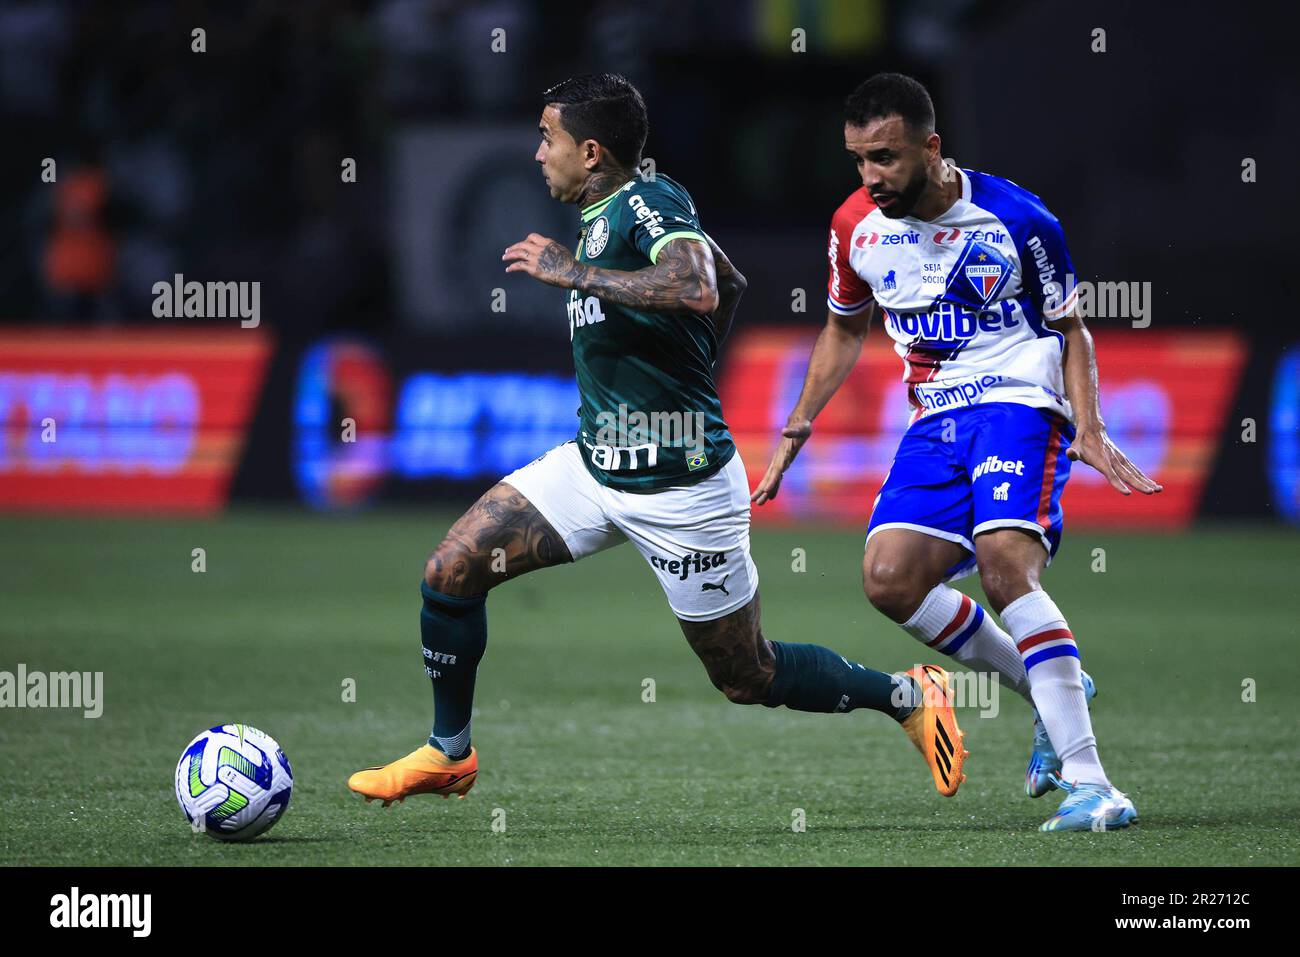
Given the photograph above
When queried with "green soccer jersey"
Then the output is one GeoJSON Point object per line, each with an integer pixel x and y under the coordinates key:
{"type": "Point", "coordinates": [650, 415]}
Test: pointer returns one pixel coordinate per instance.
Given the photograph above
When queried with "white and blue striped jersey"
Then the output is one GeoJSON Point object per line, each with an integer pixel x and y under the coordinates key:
{"type": "Point", "coordinates": [964, 296]}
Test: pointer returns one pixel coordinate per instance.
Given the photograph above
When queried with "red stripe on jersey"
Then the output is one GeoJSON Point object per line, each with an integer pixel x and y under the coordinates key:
{"type": "Point", "coordinates": [922, 364]}
{"type": "Point", "coordinates": [1042, 637]}
{"type": "Point", "coordinates": [919, 365]}
{"type": "Point", "coordinates": [1049, 476]}
{"type": "Point", "coordinates": [845, 287]}
{"type": "Point", "coordinates": [963, 612]}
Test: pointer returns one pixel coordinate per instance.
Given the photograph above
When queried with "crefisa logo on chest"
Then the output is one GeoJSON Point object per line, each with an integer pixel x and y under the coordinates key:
{"type": "Point", "coordinates": [597, 237]}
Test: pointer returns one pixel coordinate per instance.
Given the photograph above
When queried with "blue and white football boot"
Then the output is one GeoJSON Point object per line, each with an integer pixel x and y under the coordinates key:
{"type": "Point", "coordinates": [1091, 807]}
{"type": "Point", "coordinates": [1044, 771]}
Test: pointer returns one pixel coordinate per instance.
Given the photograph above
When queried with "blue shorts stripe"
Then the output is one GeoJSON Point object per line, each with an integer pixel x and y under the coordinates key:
{"type": "Point", "coordinates": [974, 626]}
{"type": "Point", "coordinates": [1048, 653]}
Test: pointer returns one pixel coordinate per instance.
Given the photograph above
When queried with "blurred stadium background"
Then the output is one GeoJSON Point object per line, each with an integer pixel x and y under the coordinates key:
{"type": "Point", "coordinates": [377, 305]}
{"type": "Point", "coordinates": [377, 296]}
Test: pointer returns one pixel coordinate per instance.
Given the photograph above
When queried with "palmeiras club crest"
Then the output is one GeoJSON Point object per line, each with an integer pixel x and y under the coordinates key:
{"type": "Point", "coordinates": [597, 237]}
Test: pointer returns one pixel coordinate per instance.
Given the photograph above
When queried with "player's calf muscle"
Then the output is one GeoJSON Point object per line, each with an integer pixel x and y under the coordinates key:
{"type": "Point", "coordinates": [739, 660]}
{"type": "Point", "coordinates": [501, 537]}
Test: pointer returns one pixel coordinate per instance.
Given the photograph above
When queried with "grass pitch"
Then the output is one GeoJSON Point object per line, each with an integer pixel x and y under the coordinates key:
{"type": "Point", "coordinates": [581, 769]}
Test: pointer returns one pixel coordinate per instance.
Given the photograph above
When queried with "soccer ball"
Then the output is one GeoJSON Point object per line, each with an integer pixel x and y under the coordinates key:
{"type": "Point", "coordinates": [233, 782]}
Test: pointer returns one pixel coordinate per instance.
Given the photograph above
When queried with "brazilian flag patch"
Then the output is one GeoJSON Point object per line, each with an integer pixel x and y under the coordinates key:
{"type": "Point", "coordinates": [696, 461]}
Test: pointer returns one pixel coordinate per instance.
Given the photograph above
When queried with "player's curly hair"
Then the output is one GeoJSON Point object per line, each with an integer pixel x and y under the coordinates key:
{"type": "Point", "coordinates": [604, 107]}
{"type": "Point", "coordinates": [891, 94]}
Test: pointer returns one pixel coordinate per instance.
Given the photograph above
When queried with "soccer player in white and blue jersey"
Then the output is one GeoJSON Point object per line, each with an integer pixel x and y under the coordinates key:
{"type": "Point", "coordinates": [974, 284]}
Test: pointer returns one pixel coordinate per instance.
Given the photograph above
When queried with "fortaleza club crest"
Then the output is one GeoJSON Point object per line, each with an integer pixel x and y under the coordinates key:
{"type": "Point", "coordinates": [984, 277]}
{"type": "Point", "coordinates": [986, 270]}
{"type": "Point", "coordinates": [597, 237]}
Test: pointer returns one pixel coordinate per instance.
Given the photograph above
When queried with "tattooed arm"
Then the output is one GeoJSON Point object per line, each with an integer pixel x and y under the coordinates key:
{"type": "Point", "coordinates": [731, 286]}
{"type": "Point", "coordinates": [684, 275]}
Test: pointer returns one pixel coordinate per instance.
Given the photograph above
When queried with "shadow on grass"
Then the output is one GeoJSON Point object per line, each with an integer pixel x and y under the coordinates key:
{"type": "Point", "coordinates": [288, 839]}
{"type": "Point", "coordinates": [1277, 818]}
{"type": "Point", "coordinates": [1272, 818]}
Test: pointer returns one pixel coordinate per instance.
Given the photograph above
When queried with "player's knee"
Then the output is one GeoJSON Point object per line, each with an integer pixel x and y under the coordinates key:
{"type": "Point", "coordinates": [437, 574]}
{"type": "Point", "coordinates": [1004, 582]}
{"type": "Point", "coordinates": [744, 680]}
{"type": "Point", "coordinates": [751, 688]}
{"type": "Point", "coordinates": [453, 570]}
{"type": "Point", "coordinates": [891, 589]}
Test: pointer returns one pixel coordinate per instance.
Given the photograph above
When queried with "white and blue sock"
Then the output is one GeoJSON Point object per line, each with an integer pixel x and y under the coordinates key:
{"type": "Point", "coordinates": [1051, 662]}
{"type": "Point", "coordinates": [952, 623]}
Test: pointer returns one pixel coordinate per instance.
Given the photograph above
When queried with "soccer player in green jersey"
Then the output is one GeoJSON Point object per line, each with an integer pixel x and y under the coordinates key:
{"type": "Point", "coordinates": [650, 296]}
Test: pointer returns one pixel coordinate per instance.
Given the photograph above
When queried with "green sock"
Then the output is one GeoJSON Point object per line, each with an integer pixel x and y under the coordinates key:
{"type": "Point", "coordinates": [454, 634]}
{"type": "Point", "coordinates": [813, 678]}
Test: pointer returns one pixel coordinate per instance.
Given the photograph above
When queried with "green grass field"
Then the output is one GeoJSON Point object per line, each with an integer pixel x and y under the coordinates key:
{"type": "Point", "coordinates": [586, 772]}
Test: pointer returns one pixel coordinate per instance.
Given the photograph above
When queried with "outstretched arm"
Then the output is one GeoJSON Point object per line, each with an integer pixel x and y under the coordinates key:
{"type": "Point", "coordinates": [1092, 444]}
{"type": "Point", "coordinates": [833, 357]}
{"type": "Point", "coordinates": [682, 275]}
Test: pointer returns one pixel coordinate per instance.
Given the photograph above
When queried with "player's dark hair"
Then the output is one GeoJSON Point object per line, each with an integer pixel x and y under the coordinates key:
{"type": "Point", "coordinates": [604, 107]}
{"type": "Point", "coordinates": [891, 94]}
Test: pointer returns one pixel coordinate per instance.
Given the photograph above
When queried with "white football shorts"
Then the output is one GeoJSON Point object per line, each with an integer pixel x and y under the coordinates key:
{"type": "Point", "coordinates": [695, 537]}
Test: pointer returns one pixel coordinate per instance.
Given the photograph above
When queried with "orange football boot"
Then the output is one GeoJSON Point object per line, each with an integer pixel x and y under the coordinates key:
{"type": "Point", "coordinates": [426, 770]}
{"type": "Point", "coordinates": [933, 729]}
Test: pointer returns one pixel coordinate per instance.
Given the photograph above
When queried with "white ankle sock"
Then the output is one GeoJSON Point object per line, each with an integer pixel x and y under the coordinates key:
{"type": "Point", "coordinates": [951, 623]}
{"type": "Point", "coordinates": [1052, 665]}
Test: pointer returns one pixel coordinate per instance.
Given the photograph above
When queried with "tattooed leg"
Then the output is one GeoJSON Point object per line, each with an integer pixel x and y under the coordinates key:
{"type": "Point", "coordinates": [749, 669]}
{"type": "Point", "coordinates": [501, 537]}
{"type": "Point", "coordinates": [739, 660]}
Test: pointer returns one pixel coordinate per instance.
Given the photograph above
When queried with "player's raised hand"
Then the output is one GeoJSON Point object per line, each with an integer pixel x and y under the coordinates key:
{"type": "Point", "coordinates": [543, 259]}
{"type": "Point", "coordinates": [793, 436]}
{"type": "Point", "coordinates": [1094, 447]}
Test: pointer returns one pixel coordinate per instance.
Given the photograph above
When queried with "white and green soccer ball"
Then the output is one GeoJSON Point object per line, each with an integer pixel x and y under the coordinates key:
{"type": "Point", "coordinates": [233, 782]}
